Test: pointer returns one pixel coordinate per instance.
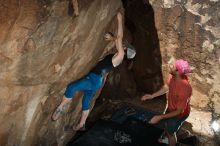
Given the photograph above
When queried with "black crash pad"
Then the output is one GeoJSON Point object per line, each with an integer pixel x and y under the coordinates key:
{"type": "Point", "coordinates": [130, 133]}
{"type": "Point", "coordinates": [128, 126]}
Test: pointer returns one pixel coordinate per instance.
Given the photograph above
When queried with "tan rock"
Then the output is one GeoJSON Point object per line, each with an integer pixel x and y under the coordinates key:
{"type": "Point", "coordinates": [36, 39]}
{"type": "Point", "coordinates": [199, 100]}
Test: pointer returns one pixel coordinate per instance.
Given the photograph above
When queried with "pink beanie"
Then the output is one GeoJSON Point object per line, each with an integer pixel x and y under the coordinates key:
{"type": "Point", "coordinates": [183, 67]}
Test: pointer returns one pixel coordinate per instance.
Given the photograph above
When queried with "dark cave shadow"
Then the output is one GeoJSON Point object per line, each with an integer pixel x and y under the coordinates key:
{"type": "Point", "coordinates": [140, 20]}
{"type": "Point", "coordinates": [146, 74]}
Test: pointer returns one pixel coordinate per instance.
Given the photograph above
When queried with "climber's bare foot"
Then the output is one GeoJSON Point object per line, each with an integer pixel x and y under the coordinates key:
{"type": "Point", "coordinates": [60, 110]}
{"type": "Point", "coordinates": [58, 113]}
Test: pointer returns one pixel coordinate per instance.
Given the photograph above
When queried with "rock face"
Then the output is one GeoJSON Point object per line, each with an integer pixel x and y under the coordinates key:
{"type": "Point", "coordinates": [42, 50]}
{"type": "Point", "coordinates": [191, 30]}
